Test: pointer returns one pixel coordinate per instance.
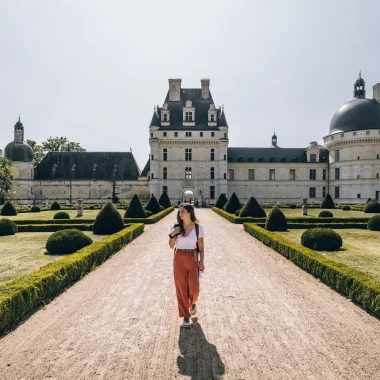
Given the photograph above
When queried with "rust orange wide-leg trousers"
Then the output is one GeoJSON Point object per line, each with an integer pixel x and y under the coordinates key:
{"type": "Point", "coordinates": [186, 280]}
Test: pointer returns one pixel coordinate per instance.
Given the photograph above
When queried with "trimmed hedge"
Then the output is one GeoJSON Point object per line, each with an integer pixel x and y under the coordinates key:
{"type": "Point", "coordinates": [374, 223]}
{"type": "Point", "coordinates": [164, 200]}
{"type": "Point", "coordinates": [53, 221]}
{"type": "Point", "coordinates": [153, 206]}
{"type": "Point", "coordinates": [67, 241]}
{"type": "Point", "coordinates": [21, 297]}
{"type": "Point", "coordinates": [7, 227]}
{"type": "Point", "coordinates": [346, 208]}
{"type": "Point", "coordinates": [325, 214]}
{"type": "Point", "coordinates": [53, 227]}
{"type": "Point", "coordinates": [252, 209]}
{"type": "Point", "coordinates": [9, 209]}
{"type": "Point", "coordinates": [232, 205]}
{"type": "Point", "coordinates": [361, 288]}
{"type": "Point", "coordinates": [135, 209]}
{"type": "Point", "coordinates": [276, 220]}
{"type": "Point", "coordinates": [221, 201]}
{"type": "Point", "coordinates": [35, 209]}
{"type": "Point", "coordinates": [152, 219]}
{"type": "Point", "coordinates": [55, 206]}
{"type": "Point", "coordinates": [236, 219]}
{"type": "Point", "coordinates": [61, 215]}
{"type": "Point", "coordinates": [372, 207]}
{"type": "Point", "coordinates": [327, 202]}
{"type": "Point", "coordinates": [108, 221]}
{"type": "Point", "coordinates": [321, 239]}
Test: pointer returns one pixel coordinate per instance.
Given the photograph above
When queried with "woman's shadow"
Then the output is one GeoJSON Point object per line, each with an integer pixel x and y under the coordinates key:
{"type": "Point", "coordinates": [200, 359]}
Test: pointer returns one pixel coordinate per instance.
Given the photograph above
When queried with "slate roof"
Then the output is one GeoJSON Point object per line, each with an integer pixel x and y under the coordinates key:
{"type": "Point", "coordinates": [272, 154]}
{"type": "Point", "coordinates": [176, 111]}
{"type": "Point", "coordinates": [146, 169]}
{"type": "Point", "coordinates": [126, 167]}
{"type": "Point", "coordinates": [20, 152]}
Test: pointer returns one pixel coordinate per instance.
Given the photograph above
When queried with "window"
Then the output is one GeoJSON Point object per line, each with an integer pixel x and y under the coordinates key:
{"type": "Point", "coordinates": [212, 192]}
{"type": "Point", "coordinates": [152, 157]}
{"type": "Point", "coordinates": [336, 190]}
{"type": "Point", "coordinates": [165, 134]}
{"type": "Point", "coordinates": [312, 192]}
{"type": "Point", "coordinates": [272, 174]}
{"type": "Point", "coordinates": [225, 135]}
{"type": "Point", "coordinates": [212, 117]}
{"type": "Point", "coordinates": [231, 174]}
{"type": "Point", "coordinates": [188, 154]}
{"type": "Point", "coordinates": [354, 134]}
{"type": "Point", "coordinates": [292, 174]}
{"type": "Point", "coordinates": [164, 189]}
{"type": "Point", "coordinates": [332, 137]}
{"type": "Point", "coordinates": [165, 154]}
{"type": "Point", "coordinates": [251, 174]}
{"type": "Point", "coordinates": [377, 175]}
{"type": "Point", "coordinates": [201, 134]}
{"type": "Point", "coordinates": [117, 189]}
{"type": "Point", "coordinates": [324, 174]}
{"type": "Point", "coordinates": [342, 135]}
{"type": "Point", "coordinates": [187, 173]}
{"type": "Point", "coordinates": [377, 195]}
{"type": "Point", "coordinates": [313, 158]}
{"type": "Point", "coordinates": [367, 133]}
{"type": "Point", "coordinates": [165, 117]}
{"type": "Point", "coordinates": [225, 176]}
{"type": "Point", "coordinates": [358, 176]}
{"type": "Point", "coordinates": [358, 196]}
{"type": "Point", "coordinates": [151, 135]}
{"type": "Point", "coordinates": [31, 190]}
{"type": "Point", "coordinates": [212, 134]}
{"type": "Point", "coordinates": [212, 173]}
{"type": "Point", "coordinates": [225, 157]}
{"type": "Point", "coordinates": [188, 134]}
{"type": "Point", "coordinates": [337, 156]}
{"type": "Point", "coordinates": [188, 116]}
{"type": "Point", "coordinates": [212, 154]}
{"type": "Point", "coordinates": [337, 173]}
{"type": "Point", "coordinates": [313, 174]}
{"type": "Point", "coordinates": [152, 175]}
{"type": "Point", "coordinates": [165, 173]}
{"type": "Point", "coordinates": [358, 157]}
{"type": "Point", "coordinates": [377, 157]}
{"type": "Point", "coordinates": [175, 134]}
{"type": "Point", "coordinates": [323, 191]}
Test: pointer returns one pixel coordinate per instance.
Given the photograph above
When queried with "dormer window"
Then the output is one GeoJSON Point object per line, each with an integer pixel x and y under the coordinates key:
{"type": "Point", "coordinates": [188, 116]}
{"type": "Point", "coordinates": [212, 114]}
{"type": "Point", "coordinates": [212, 118]}
{"type": "Point", "coordinates": [165, 117]}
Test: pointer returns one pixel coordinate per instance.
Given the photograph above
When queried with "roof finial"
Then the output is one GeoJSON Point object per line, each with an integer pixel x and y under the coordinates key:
{"type": "Point", "coordinates": [130, 148]}
{"type": "Point", "coordinates": [360, 74]}
{"type": "Point", "coordinates": [19, 118]}
{"type": "Point", "coordinates": [222, 107]}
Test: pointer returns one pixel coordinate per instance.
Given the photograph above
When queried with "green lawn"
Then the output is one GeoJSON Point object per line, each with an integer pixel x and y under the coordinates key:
{"type": "Point", "coordinates": [48, 215]}
{"type": "Point", "coordinates": [360, 250]}
{"type": "Point", "coordinates": [314, 212]}
{"type": "Point", "coordinates": [25, 252]}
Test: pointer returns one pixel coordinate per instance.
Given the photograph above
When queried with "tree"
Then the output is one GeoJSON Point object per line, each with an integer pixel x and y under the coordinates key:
{"type": "Point", "coordinates": [6, 178]}
{"type": "Point", "coordinates": [37, 150]}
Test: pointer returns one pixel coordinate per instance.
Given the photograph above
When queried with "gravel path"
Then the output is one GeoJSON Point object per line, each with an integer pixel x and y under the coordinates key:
{"type": "Point", "coordinates": [260, 317]}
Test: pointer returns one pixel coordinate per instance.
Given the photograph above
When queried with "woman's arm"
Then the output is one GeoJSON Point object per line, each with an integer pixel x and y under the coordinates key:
{"type": "Point", "coordinates": [202, 254]}
{"type": "Point", "coordinates": [172, 237]}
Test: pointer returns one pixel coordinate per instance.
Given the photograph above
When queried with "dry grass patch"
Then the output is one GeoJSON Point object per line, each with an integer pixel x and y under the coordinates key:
{"type": "Point", "coordinates": [25, 252]}
{"type": "Point", "coordinates": [360, 250]}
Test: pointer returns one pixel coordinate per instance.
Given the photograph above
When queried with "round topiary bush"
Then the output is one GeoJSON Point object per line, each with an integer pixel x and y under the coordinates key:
{"type": "Point", "coordinates": [325, 214]}
{"type": "Point", "coordinates": [35, 209]}
{"type": "Point", "coordinates": [321, 239]}
{"type": "Point", "coordinates": [108, 221]}
{"type": "Point", "coordinates": [8, 209]}
{"type": "Point", "coordinates": [164, 200]}
{"type": "Point", "coordinates": [372, 207]}
{"type": "Point", "coordinates": [7, 227]}
{"type": "Point", "coordinates": [232, 205]}
{"type": "Point", "coordinates": [92, 207]}
{"type": "Point", "coordinates": [252, 209]}
{"type": "Point", "coordinates": [61, 215]}
{"type": "Point", "coordinates": [276, 220]}
{"type": "Point", "coordinates": [237, 212]}
{"type": "Point", "coordinates": [221, 201]}
{"type": "Point", "coordinates": [327, 202]}
{"type": "Point", "coordinates": [292, 206]}
{"type": "Point", "coordinates": [346, 208]}
{"type": "Point", "coordinates": [67, 241]}
{"type": "Point", "coordinates": [374, 223]}
{"type": "Point", "coordinates": [135, 209]}
{"type": "Point", "coordinates": [55, 206]}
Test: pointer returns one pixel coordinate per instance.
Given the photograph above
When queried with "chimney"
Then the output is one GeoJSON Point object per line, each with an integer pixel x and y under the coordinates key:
{"type": "Point", "coordinates": [205, 88]}
{"type": "Point", "coordinates": [174, 90]}
{"type": "Point", "coordinates": [376, 92]}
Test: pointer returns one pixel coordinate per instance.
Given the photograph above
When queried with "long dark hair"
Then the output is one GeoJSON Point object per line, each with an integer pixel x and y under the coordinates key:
{"type": "Point", "coordinates": [190, 209]}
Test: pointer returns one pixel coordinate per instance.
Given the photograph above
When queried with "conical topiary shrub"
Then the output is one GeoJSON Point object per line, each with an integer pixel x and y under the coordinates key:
{"type": "Point", "coordinates": [328, 202]}
{"type": "Point", "coordinates": [222, 200]}
{"type": "Point", "coordinates": [55, 206]}
{"type": "Point", "coordinates": [135, 209]}
{"type": "Point", "coordinates": [8, 209]}
{"type": "Point", "coordinates": [108, 221]}
{"type": "Point", "coordinates": [232, 205]}
{"type": "Point", "coordinates": [372, 207]}
{"type": "Point", "coordinates": [253, 209]}
{"type": "Point", "coordinates": [164, 200]}
{"type": "Point", "coordinates": [276, 220]}
{"type": "Point", "coordinates": [153, 205]}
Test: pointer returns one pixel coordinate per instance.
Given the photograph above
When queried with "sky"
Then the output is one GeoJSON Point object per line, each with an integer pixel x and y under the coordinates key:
{"type": "Point", "coordinates": [93, 71]}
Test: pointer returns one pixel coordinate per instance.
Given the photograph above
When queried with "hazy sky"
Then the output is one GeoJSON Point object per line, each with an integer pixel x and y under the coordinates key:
{"type": "Point", "coordinates": [93, 70]}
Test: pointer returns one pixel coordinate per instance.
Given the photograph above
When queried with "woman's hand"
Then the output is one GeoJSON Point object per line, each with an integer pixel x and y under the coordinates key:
{"type": "Point", "coordinates": [175, 232]}
{"type": "Point", "coordinates": [202, 267]}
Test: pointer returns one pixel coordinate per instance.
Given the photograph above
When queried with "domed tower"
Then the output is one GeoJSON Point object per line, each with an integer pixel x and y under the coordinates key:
{"type": "Point", "coordinates": [354, 149]}
{"type": "Point", "coordinates": [22, 157]}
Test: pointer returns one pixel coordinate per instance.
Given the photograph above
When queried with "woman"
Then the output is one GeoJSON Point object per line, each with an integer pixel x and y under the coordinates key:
{"type": "Point", "coordinates": [183, 237]}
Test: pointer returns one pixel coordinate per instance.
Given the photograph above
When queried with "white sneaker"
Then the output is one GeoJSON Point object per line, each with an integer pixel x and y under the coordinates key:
{"type": "Point", "coordinates": [186, 322]}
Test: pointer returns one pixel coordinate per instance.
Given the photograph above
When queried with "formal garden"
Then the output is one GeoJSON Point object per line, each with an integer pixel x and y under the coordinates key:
{"type": "Point", "coordinates": [44, 251]}
{"type": "Point", "coordinates": [340, 246]}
